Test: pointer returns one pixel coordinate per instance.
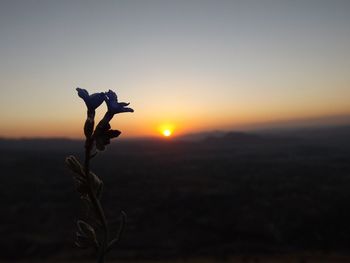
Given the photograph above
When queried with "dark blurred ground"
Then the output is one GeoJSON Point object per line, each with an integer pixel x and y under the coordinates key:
{"type": "Point", "coordinates": [236, 195]}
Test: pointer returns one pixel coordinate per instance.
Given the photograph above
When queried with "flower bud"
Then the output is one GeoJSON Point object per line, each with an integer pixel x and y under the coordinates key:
{"type": "Point", "coordinates": [73, 164]}
{"type": "Point", "coordinates": [89, 127]}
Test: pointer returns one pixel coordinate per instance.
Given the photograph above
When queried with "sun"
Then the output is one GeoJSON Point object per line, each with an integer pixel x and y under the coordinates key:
{"type": "Point", "coordinates": [167, 133]}
{"type": "Point", "coordinates": [166, 129]}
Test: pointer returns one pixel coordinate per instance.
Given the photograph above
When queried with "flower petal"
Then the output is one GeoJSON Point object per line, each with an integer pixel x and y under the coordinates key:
{"type": "Point", "coordinates": [127, 110]}
{"type": "Point", "coordinates": [92, 101]}
{"type": "Point", "coordinates": [82, 93]}
{"type": "Point", "coordinates": [114, 106]}
{"type": "Point", "coordinates": [112, 96]}
{"type": "Point", "coordinates": [96, 100]}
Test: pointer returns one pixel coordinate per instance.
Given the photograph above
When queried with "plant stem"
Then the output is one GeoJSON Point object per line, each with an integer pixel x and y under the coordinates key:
{"type": "Point", "coordinates": [95, 202]}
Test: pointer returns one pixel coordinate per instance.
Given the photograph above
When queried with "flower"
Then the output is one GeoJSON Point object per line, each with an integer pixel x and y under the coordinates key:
{"type": "Point", "coordinates": [103, 136]}
{"type": "Point", "coordinates": [113, 105]}
{"type": "Point", "coordinates": [92, 101]}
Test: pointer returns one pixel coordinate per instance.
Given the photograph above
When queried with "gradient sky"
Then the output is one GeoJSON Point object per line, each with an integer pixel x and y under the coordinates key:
{"type": "Point", "coordinates": [195, 65]}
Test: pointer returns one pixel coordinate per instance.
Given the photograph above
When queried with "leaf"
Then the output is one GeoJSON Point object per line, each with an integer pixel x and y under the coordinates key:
{"type": "Point", "coordinates": [74, 165]}
{"type": "Point", "coordinates": [82, 188]}
{"type": "Point", "coordinates": [81, 182]}
{"type": "Point", "coordinates": [86, 230]}
{"type": "Point", "coordinates": [78, 174]}
{"type": "Point", "coordinates": [101, 141]}
{"type": "Point", "coordinates": [82, 241]}
{"type": "Point", "coordinates": [120, 231]}
{"type": "Point", "coordinates": [99, 191]}
{"type": "Point", "coordinates": [113, 133]}
{"type": "Point", "coordinates": [103, 135]}
{"type": "Point", "coordinates": [97, 184]}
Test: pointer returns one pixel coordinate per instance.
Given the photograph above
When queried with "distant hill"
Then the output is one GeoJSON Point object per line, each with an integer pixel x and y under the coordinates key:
{"type": "Point", "coordinates": [324, 135]}
{"type": "Point", "coordinates": [337, 135]}
{"type": "Point", "coordinates": [236, 137]}
{"type": "Point", "coordinates": [36, 144]}
{"type": "Point", "coordinates": [201, 135]}
{"type": "Point", "coordinates": [327, 135]}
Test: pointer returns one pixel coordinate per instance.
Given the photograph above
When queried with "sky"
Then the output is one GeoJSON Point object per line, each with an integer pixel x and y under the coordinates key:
{"type": "Point", "coordinates": [190, 65]}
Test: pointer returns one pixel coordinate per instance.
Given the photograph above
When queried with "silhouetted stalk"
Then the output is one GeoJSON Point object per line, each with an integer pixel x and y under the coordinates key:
{"type": "Point", "coordinates": [95, 202]}
{"type": "Point", "coordinates": [88, 184]}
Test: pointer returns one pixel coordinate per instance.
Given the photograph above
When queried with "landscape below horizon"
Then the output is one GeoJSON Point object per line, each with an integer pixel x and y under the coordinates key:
{"type": "Point", "coordinates": [218, 196]}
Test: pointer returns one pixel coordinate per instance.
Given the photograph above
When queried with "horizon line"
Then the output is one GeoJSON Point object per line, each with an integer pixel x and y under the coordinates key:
{"type": "Point", "coordinates": [251, 129]}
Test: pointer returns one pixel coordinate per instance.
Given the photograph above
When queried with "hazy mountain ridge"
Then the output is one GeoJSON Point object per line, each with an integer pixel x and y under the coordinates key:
{"type": "Point", "coordinates": [325, 134]}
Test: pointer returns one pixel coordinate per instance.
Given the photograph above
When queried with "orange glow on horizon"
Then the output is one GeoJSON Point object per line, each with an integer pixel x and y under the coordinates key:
{"type": "Point", "coordinates": [144, 126]}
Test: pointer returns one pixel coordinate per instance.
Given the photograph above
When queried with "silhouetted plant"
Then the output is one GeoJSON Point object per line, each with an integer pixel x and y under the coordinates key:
{"type": "Point", "coordinates": [94, 231]}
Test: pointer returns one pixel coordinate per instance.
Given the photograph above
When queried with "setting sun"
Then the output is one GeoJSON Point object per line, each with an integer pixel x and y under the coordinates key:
{"type": "Point", "coordinates": [167, 133]}
{"type": "Point", "coordinates": [166, 129]}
